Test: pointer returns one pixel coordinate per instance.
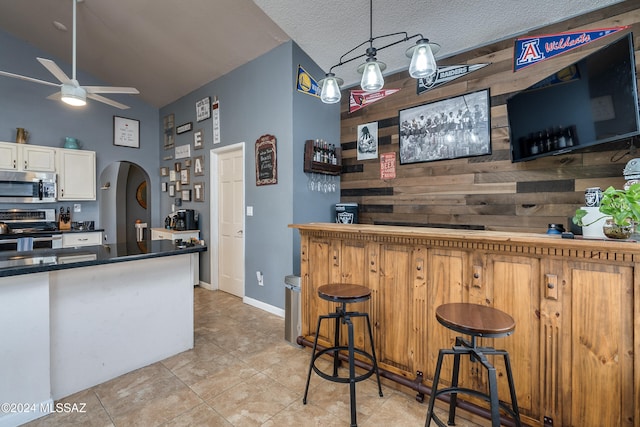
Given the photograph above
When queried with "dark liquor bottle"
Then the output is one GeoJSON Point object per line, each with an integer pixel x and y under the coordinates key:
{"type": "Point", "coordinates": [569, 137]}
{"type": "Point", "coordinates": [562, 140]}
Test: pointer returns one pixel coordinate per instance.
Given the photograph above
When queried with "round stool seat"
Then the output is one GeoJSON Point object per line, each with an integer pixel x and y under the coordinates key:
{"type": "Point", "coordinates": [344, 292]}
{"type": "Point", "coordinates": [475, 319]}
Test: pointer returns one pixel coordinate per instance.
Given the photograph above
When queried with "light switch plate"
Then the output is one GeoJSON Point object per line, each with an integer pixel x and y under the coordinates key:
{"type": "Point", "coordinates": [77, 207]}
{"type": "Point", "coordinates": [249, 210]}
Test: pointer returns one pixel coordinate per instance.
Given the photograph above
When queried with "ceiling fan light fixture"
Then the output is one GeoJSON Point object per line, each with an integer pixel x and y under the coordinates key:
{"type": "Point", "coordinates": [330, 85]}
{"type": "Point", "coordinates": [423, 62]}
{"type": "Point", "coordinates": [73, 95]}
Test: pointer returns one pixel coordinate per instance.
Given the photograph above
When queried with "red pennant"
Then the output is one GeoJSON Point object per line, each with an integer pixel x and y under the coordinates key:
{"type": "Point", "coordinates": [359, 98]}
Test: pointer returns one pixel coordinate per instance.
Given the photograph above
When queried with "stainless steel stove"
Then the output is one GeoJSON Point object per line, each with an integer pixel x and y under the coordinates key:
{"type": "Point", "coordinates": [29, 229]}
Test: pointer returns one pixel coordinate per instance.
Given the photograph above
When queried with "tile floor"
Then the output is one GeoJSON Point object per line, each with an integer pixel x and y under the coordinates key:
{"type": "Point", "coordinates": [241, 372]}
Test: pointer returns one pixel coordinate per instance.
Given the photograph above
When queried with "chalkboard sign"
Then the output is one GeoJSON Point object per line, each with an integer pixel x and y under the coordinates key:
{"type": "Point", "coordinates": [266, 170]}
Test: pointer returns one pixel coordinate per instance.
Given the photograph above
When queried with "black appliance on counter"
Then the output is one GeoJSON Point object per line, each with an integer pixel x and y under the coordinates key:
{"type": "Point", "coordinates": [186, 219]}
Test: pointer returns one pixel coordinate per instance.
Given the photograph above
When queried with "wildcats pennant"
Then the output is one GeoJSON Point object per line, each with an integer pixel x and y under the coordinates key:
{"type": "Point", "coordinates": [359, 98]}
{"type": "Point", "coordinates": [531, 50]}
{"type": "Point", "coordinates": [445, 74]}
{"type": "Point", "coordinates": [306, 83]}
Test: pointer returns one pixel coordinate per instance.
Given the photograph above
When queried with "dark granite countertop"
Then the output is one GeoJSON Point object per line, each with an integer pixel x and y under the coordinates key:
{"type": "Point", "coordinates": [13, 263]}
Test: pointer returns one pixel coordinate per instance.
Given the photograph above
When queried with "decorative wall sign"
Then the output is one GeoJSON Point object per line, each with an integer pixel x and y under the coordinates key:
{"type": "Point", "coordinates": [359, 98]}
{"type": "Point", "coordinates": [306, 83]}
{"type": "Point", "coordinates": [187, 163]}
{"type": "Point", "coordinates": [198, 139]}
{"type": "Point", "coordinates": [184, 176]}
{"type": "Point", "coordinates": [198, 191]}
{"type": "Point", "coordinates": [368, 141]}
{"type": "Point", "coordinates": [172, 191]}
{"type": "Point", "coordinates": [126, 132]}
{"type": "Point", "coordinates": [186, 195]}
{"type": "Point", "coordinates": [172, 175]}
{"type": "Point", "coordinates": [168, 126]}
{"type": "Point", "coordinates": [183, 151]}
{"type": "Point", "coordinates": [198, 165]}
{"type": "Point", "coordinates": [266, 165]}
{"type": "Point", "coordinates": [215, 108]}
{"type": "Point", "coordinates": [184, 128]}
{"type": "Point", "coordinates": [164, 186]}
{"type": "Point", "coordinates": [447, 129]}
{"type": "Point", "coordinates": [388, 165]}
{"type": "Point", "coordinates": [177, 166]}
{"type": "Point", "coordinates": [164, 171]}
{"type": "Point", "coordinates": [178, 186]}
{"type": "Point", "coordinates": [203, 109]}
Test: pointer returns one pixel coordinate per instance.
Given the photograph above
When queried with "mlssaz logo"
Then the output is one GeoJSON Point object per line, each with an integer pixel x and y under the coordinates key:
{"type": "Point", "coordinates": [530, 53]}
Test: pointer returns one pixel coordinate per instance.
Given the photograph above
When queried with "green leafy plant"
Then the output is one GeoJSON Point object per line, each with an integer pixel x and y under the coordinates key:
{"type": "Point", "coordinates": [622, 205]}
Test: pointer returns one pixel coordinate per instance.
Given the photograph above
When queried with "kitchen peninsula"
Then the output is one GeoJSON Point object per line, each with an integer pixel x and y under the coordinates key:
{"type": "Point", "coordinates": [575, 302]}
{"type": "Point", "coordinates": [74, 318]}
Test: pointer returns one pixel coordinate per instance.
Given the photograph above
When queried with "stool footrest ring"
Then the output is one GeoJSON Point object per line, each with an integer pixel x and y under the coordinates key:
{"type": "Point", "coordinates": [337, 379]}
{"type": "Point", "coordinates": [471, 392]}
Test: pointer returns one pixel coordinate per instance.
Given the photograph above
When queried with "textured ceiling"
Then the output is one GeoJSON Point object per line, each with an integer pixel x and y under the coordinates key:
{"type": "Point", "coordinates": [168, 48]}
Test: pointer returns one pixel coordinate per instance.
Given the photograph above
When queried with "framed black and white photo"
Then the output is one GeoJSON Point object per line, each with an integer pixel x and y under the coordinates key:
{"type": "Point", "coordinates": [447, 129]}
{"type": "Point", "coordinates": [126, 132]}
{"type": "Point", "coordinates": [368, 141]}
{"type": "Point", "coordinates": [203, 109]}
{"type": "Point", "coordinates": [172, 191]}
{"type": "Point", "coordinates": [164, 187]}
{"type": "Point", "coordinates": [186, 195]}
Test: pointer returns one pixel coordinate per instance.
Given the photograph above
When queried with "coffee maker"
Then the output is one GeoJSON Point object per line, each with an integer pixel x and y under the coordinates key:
{"type": "Point", "coordinates": [186, 219]}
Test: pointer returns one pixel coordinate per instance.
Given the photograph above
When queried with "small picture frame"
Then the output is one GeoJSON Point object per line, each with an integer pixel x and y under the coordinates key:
{"type": "Point", "coordinates": [177, 201]}
{"type": "Point", "coordinates": [185, 127]}
{"type": "Point", "coordinates": [164, 187]}
{"type": "Point", "coordinates": [178, 186]}
{"type": "Point", "coordinates": [177, 166]}
{"type": "Point", "coordinates": [126, 132]}
{"type": "Point", "coordinates": [172, 190]}
{"type": "Point", "coordinates": [172, 175]}
{"type": "Point", "coordinates": [186, 195]}
{"type": "Point", "coordinates": [203, 109]}
{"type": "Point", "coordinates": [184, 176]}
{"type": "Point", "coordinates": [164, 171]}
{"type": "Point", "coordinates": [187, 163]}
{"type": "Point", "coordinates": [198, 139]}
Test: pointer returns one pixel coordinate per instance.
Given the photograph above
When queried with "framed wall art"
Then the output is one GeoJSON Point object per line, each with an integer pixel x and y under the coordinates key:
{"type": "Point", "coordinates": [198, 139]}
{"type": "Point", "coordinates": [186, 195]}
{"type": "Point", "coordinates": [198, 166]}
{"type": "Point", "coordinates": [266, 165]}
{"type": "Point", "coordinates": [164, 187]}
{"type": "Point", "coordinates": [126, 132]}
{"type": "Point", "coordinates": [168, 124]}
{"type": "Point", "coordinates": [164, 171]}
{"type": "Point", "coordinates": [184, 176]}
{"type": "Point", "coordinates": [203, 109]}
{"type": "Point", "coordinates": [198, 191]}
{"type": "Point", "coordinates": [172, 191]}
{"type": "Point", "coordinates": [368, 141]}
{"type": "Point", "coordinates": [186, 127]}
{"type": "Point", "coordinates": [447, 129]}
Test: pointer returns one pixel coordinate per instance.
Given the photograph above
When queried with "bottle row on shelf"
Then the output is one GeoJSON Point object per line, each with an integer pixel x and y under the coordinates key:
{"type": "Point", "coordinates": [322, 157]}
{"type": "Point", "coordinates": [548, 140]}
{"type": "Point", "coordinates": [323, 152]}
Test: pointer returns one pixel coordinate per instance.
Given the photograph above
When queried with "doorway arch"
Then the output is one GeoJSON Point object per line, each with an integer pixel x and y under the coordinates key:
{"type": "Point", "coordinates": [124, 198]}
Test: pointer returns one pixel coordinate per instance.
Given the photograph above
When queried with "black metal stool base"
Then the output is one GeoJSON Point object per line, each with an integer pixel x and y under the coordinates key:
{"type": "Point", "coordinates": [477, 354]}
{"type": "Point", "coordinates": [344, 317]}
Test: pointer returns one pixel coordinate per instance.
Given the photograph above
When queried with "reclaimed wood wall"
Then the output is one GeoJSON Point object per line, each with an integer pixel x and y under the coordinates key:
{"type": "Point", "coordinates": [485, 192]}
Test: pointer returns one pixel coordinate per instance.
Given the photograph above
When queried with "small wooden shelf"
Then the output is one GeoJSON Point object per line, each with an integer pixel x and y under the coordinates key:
{"type": "Point", "coordinates": [318, 167]}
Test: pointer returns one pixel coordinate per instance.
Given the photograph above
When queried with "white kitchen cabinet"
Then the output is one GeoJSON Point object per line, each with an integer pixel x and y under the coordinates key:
{"type": "Point", "coordinates": [165, 234]}
{"type": "Point", "coordinates": [88, 238]}
{"type": "Point", "coordinates": [25, 157]}
{"type": "Point", "coordinates": [76, 174]}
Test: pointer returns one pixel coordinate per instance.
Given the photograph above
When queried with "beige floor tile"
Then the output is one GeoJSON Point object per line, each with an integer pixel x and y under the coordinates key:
{"type": "Point", "coordinates": [201, 415]}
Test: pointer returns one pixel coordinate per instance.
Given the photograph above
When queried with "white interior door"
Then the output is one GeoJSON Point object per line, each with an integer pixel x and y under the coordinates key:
{"type": "Point", "coordinates": [230, 222]}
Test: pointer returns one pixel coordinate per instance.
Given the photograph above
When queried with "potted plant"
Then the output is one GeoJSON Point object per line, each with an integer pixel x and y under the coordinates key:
{"type": "Point", "coordinates": [622, 210]}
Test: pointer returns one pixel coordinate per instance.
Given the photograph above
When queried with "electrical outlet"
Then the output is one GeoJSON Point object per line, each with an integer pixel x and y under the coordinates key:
{"type": "Point", "coordinates": [260, 278]}
{"type": "Point", "coordinates": [77, 207]}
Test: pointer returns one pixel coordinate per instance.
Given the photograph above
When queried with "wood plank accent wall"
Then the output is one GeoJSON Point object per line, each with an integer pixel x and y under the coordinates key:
{"type": "Point", "coordinates": [486, 192]}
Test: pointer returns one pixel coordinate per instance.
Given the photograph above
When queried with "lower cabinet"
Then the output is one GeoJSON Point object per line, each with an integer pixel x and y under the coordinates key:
{"type": "Point", "coordinates": [573, 353]}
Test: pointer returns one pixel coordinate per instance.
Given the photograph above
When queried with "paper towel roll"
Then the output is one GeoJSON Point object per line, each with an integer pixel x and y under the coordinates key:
{"type": "Point", "coordinates": [593, 231]}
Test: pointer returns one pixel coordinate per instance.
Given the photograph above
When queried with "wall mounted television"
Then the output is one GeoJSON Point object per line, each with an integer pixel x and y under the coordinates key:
{"type": "Point", "coordinates": [590, 102]}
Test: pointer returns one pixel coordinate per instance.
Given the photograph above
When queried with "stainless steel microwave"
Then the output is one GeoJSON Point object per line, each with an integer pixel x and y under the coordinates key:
{"type": "Point", "coordinates": [27, 187]}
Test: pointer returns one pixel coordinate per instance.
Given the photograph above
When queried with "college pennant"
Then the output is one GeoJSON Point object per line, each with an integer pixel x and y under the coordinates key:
{"type": "Point", "coordinates": [307, 84]}
{"type": "Point", "coordinates": [531, 50]}
{"type": "Point", "coordinates": [445, 74]}
{"type": "Point", "coordinates": [359, 98]}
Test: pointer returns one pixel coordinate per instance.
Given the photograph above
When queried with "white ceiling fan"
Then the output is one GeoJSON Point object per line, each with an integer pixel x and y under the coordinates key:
{"type": "Point", "coordinates": [70, 90]}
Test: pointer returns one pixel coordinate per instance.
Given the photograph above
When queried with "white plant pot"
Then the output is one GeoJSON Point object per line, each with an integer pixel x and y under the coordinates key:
{"type": "Point", "coordinates": [593, 231]}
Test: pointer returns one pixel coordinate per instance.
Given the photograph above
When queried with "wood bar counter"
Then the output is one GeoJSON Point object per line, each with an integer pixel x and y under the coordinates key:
{"type": "Point", "coordinates": [576, 303]}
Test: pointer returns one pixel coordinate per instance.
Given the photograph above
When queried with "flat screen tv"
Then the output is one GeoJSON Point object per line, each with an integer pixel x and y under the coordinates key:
{"type": "Point", "coordinates": [590, 102]}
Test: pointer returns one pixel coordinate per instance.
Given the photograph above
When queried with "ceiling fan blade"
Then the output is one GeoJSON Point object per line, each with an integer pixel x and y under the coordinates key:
{"type": "Point", "coordinates": [56, 96]}
{"type": "Point", "coordinates": [29, 79]}
{"type": "Point", "coordinates": [107, 101]}
{"type": "Point", "coordinates": [111, 89]}
{"type": "Point", "coordinates": [55, 70]}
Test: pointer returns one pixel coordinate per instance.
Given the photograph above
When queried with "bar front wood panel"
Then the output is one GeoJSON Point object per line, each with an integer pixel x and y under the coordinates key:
{"type": "Point", "coordinates": [573, 350]}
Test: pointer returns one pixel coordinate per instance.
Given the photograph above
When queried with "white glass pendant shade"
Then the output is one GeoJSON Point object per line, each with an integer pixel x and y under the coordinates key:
{"type": "Point", "coordinates": [330, 93]}
{"type": "Point", "coordinates": [423, 63]}
{"type": "Point", "coordinates": [372, 80]}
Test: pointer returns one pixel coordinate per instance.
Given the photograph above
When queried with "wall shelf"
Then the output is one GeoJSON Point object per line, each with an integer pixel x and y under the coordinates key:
{"type": "Point", "coordinates": [320, 167]}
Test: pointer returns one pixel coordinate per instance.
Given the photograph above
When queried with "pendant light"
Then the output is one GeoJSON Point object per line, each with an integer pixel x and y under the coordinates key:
{"type": "Point", "coordinates": [423, 63]}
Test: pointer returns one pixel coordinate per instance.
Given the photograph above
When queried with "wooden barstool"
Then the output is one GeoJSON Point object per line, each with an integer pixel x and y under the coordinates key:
{"type": "Point", "coordinates": [344, 294]}
{"type": "Point", "coordinates": [476, 321]}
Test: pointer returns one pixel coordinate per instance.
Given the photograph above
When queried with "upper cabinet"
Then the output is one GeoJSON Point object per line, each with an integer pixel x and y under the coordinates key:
{"type": "Point", "coordinates": [24, 157]}
{"type": "Point", "coordinates": [76, 175]}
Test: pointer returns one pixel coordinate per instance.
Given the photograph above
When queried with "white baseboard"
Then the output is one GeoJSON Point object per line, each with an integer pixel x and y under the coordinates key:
{"type": "Point", "coordinates": [262, 306]}
{"type": "Point", "coordinates": [208, 286]}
